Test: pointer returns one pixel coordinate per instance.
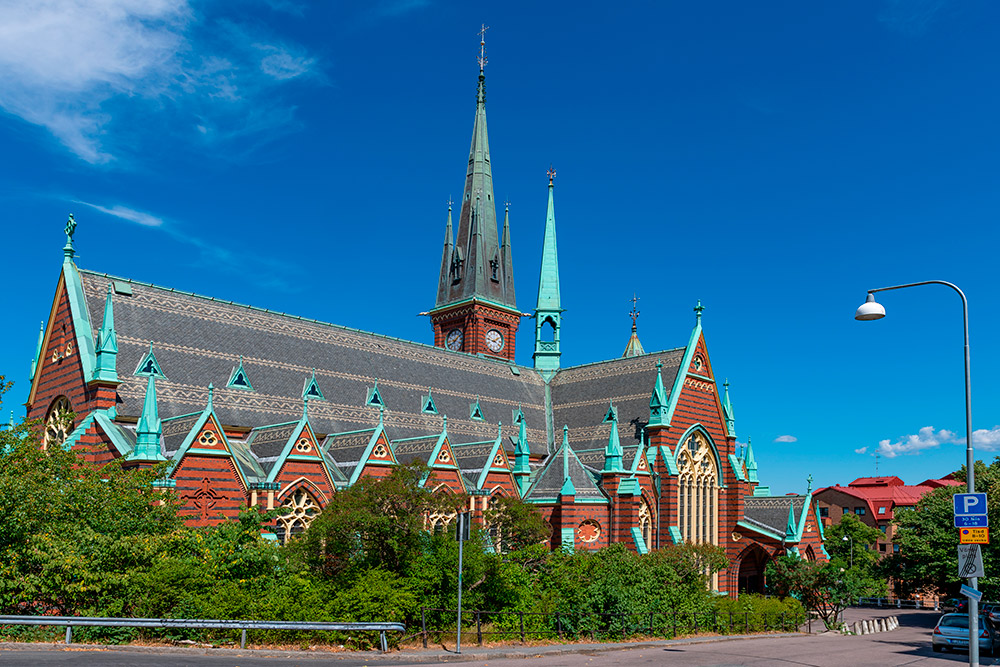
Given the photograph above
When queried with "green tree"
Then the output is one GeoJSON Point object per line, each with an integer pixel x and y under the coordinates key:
{"type": "Point", "coordinates": [825, 588]}
{"type": "Point", "coordinates": [518, 524]}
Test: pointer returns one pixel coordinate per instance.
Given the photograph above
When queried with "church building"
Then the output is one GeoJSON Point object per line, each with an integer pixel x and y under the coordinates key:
{"type": "Point", "coordinates": [252, 407]}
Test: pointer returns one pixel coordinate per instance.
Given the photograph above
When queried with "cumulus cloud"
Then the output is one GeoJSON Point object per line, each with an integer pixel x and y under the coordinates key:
{"type": "Point", "coordinates": [986, 439]}
{"type": "Point", "coordinates": [925, 438]}
{"type": "Point", "coordinates": [75, 66]}
{"type": "Point", "coordinates": [861, 450]}
{"type": "Point", "coordinates": [786, 438]}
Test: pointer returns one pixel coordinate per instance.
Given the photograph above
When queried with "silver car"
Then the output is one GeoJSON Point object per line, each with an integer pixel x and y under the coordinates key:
{"type": "Point", "coordinates": [952, 631]}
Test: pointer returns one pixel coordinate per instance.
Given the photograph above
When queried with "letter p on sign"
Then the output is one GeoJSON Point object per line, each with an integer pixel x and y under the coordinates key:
{"type": "Point", "coordinates": [967, 504]}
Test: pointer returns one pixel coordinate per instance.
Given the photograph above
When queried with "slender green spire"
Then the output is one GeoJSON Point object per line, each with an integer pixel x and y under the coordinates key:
{"type": "Point", "coordinates": [751, 463]}
{"type": "Point", "coordinates": [505, 256]}
{"type": "Point", "coordinates": [148, 431]}
{"type": "Point", "coordinates": [634, 348]}
{"type": "Point", "coordinates": [613, 452]}
{"type": "Point", "coordinates": [727, 408]}
{"type": "Point", "coordinates": [447, 260]}
{"type": "Point", "coordinates": [658, 401]}
{"type": "Point", "coordinates": [105, 369]}
{"type": "Point", "coordinates": [522, 454]}
{"type": "Point", "coordinates": [567, 486]}
{"type": "Point", "coordinates": [791, 530]}
{"type": "Point", "coordinates": [548, 309]}
{"type": "Point", "coordinates": [38, 350]}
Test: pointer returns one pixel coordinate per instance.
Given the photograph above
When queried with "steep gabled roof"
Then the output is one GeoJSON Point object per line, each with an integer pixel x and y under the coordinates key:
{"type": "Point", "coordinates": [580, 396]}
{"type": "Point", "coordinates": [198, 341]}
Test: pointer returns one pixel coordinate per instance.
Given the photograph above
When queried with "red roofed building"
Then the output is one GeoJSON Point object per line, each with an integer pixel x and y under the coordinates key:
{"type": "Point", "coordinates": [874, 500]}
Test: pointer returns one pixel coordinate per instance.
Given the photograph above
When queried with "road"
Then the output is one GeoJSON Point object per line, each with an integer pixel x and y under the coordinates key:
{"type": "Point", "coordinates": [908, 645]}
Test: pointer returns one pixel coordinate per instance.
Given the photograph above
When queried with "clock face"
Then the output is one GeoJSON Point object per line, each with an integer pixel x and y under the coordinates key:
{"type": "Point", "coordinates": [454, 340]}
{"type": "Point", "coordinates": [494, 340]}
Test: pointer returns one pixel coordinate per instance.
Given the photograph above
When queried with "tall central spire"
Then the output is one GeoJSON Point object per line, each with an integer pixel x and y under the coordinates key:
{"type": "Point", "coordinates": [475, 311]}
{"type": "Point", "coordinates": [479, 264]}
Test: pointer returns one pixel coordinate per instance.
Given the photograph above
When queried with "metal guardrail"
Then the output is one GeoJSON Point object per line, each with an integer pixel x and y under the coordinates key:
{"type": "Point", "coordinates": [896, 603]}
{"type": "Point", "coordinates": [79, 621]}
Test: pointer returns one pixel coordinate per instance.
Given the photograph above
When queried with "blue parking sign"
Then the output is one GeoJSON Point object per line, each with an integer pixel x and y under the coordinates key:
{"type": "Point", "coordinates": [967, 504]}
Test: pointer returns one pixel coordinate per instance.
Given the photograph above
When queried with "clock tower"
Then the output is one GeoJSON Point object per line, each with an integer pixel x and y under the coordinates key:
{"type": "Point", "coordinates": [475, 311]}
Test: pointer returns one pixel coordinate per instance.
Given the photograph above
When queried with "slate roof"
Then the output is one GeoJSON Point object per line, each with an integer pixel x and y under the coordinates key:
{"type": "Point", "coordinates": [266, 443]}
{"type": "Point", "coordinates": [408, 450]}
{"type": "Point", "coordinates": [549, 481]}
{"type": "Point", "coordinates": [344, 450]}
{"type": "Point", "coordinates": [772, 511]}
{"type": "Point", "coordinates": [580, 397]}
{"type": "Point", "coordinates": [472, 457]}
{"type": "Point", "coordinates": [198, 340]}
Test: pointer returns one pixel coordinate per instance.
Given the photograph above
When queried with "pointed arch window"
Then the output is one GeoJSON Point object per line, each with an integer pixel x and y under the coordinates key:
{"type": "Point", "coordinates": [300, 510]}
{"type": "Point", "coordinates": [646, 523]}
{"type": "Point", "coordinates": [438, 522]}
{"type": "Point", "coordinates": [697, 491]}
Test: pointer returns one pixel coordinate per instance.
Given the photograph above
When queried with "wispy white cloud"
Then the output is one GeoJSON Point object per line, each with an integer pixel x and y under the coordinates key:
{"type": "Point", "coordinates": [925, 438]}
{"type": "Point", "coordinates": [75, 66]}
{"type": "Point", "coordinates": [126, 213]}
{"type": "Point", "coordinates": [786, 438]}
{"type": "Point", "coordinates": [861, 450]}
{"type": "Point", "coordinates": [910, 17]}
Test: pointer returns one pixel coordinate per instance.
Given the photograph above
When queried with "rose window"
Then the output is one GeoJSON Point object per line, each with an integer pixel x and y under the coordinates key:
{"type": "Point", "coordinates": [300, 510]}
{"type": "Point", "coordinates": [588, 531]}
{"type": "Point", "coordinates": [207, 438]}
{"type": "Point", "coordinates": [59, 423]}
{"type": "Point", "coordinates": [303, 445]}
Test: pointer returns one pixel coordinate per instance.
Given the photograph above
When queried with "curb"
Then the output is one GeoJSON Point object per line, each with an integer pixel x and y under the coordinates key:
{"type": "Point", "coordinates": [415, 656]}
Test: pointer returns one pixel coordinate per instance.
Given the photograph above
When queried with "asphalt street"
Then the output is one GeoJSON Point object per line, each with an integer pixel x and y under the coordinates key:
{"type": "Point", "coordinates": [908, 645]}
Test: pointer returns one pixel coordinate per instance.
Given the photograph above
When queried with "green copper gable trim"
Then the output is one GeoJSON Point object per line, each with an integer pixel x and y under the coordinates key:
{"type": "Point", "coordinates": [114, 433]}
{"type": "Point", "coordinates": [311, 390]}
{"type": "Point", "coordinates": [682, 371]}
{"type": "Point", "coordinates": [669, 461]}
{"type": "Point", "coordinates": [734, 463]}
{"type": "Point", "coordinates": [675, 534]}
{"type": "Point", "coordinates": [427, 405]}
{"type": "Point", "coordinates": [568, 539]}
{"type": "Point", "coordinates": [188, 444]}
{"type": "Point", "coordinates": [79, 431]}
{"type": "Point", "coordinates": [629, 487]}
{"type": "Point", "coordinates": [38, 351]}
{"type": "Point", "coordinates": [757, 528]}
{"type": "Point", "coordinates": [81, 318]}
{"type": "Point", "coordinates": [239, 378]}
{"type": "Point", "coordinates": [379, 430]}
{"type": "Point", "coordinates": [149, 366]}
{"type": "Point", "coordinates": [640, 543]}
{"type": "Point", "coordinates": [489, 467]}
{"type": "Point", "coordinates": [374, 396]}
{"type": "Point", "coordinates": [658, 400]}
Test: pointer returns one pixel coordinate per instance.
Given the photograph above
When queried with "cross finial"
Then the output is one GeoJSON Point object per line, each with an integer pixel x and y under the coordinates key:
{"type": "Point", "coordinates": [482, 47]}
{"type": "Point", "coordinates": [634, 314]}
{"type": "Point", "coordinates": [551, 173]}
{"type": "Point", "coordinates": [506, 205]}
{"type": "Point", "coordinates": [450, 202]}
{"type": "Point", "coordinates": [698, 309]}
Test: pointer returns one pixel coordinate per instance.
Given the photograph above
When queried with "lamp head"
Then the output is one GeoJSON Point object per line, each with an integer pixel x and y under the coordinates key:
{"type": "Point", "coordinates": [870, 309]}
{"type": "Point", "coordinates": [844, 538]}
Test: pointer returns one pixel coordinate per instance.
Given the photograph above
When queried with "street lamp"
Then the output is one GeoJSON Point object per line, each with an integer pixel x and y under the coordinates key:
{"type": "Point", "coordinates": [873, 310]}
{"type": "Point", "coordinates": [845, 538]}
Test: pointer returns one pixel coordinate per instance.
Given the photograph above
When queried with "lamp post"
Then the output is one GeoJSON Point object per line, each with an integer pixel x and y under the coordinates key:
{"type": "Point", "coordinates": [873, 310]}
{"type": "Point", "coordinates": [846, 538]}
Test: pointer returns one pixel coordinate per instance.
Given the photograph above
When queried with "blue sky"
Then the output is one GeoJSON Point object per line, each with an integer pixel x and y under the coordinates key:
{"type": "Point", "coordinates": [773, 160]}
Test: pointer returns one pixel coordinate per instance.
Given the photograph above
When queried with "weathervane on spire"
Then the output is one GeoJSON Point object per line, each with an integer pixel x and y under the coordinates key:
{"type": "Point", "coordinates": [635, 311]}
{"type": "Point", "coordinates": [551, 174]}
{"type": "Point", "coordinates": [70, 229]}
{"type": "Point", "coordinates": [482, 47]}
{"type": "Point", "coordinates": [698, 310]}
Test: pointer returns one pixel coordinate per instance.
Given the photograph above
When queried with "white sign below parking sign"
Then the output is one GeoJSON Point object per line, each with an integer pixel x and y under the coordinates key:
{"type": "Point", "coordinates": [970, 561]}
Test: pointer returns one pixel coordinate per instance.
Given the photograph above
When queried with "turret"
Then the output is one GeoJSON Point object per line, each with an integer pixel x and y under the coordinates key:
{"type": "Point", "coordinates": [548, 310]}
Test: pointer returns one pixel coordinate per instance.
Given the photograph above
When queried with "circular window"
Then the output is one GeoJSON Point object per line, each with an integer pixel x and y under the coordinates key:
{"type": "Point", "coordinates": [303, 445]}
{"type": "Point", "coordinates": [588, 531]}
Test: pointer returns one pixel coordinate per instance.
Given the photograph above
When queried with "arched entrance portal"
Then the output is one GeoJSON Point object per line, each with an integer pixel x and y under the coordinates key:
{"type": "Point", "coordinates": [751, 576]}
